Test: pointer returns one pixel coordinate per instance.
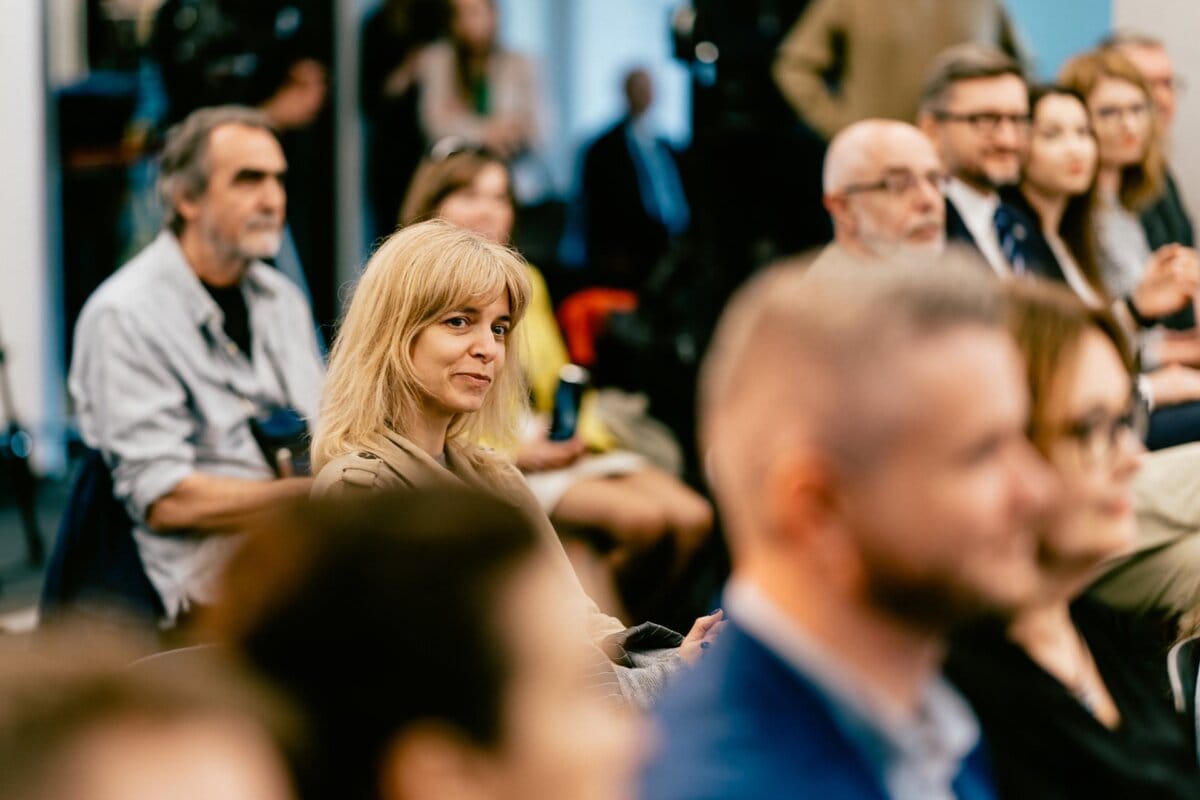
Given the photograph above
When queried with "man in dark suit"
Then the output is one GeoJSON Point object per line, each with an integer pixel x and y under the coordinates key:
{"type": "Point", "coordinates": [975, 108]}
{"type": "Point", "coordinates": [632, 194]}
{"type": "Point", "coordinates": [864, 525]}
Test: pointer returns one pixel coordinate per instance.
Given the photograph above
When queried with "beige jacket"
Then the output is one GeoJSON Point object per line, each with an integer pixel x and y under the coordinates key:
{"type": "Point", "coordinates": [878, 52]}
{"type": "Point", "coordinates": [390, 461]}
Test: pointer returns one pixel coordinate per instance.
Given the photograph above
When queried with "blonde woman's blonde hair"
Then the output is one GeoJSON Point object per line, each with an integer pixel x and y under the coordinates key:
{"type": "Point", "coordinates": [417, 275]}
{"type": "Point", "coordinates": [1141, 183]}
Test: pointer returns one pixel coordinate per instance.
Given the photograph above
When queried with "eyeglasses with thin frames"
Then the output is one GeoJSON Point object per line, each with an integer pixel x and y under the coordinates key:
{"type": "Point", "coordinates": [1099, 436]}
{"type": "Point", "coordinates": [1108, 115]}
{"type": "Point", "coordinates": [901, 183]}
{"type": "Point", "coordinates": [985, 122]}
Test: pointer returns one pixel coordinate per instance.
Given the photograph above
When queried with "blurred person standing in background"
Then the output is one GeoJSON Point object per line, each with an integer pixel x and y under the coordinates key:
{"type": "Point", "coordinates": [393, 39]}
{"type": "Point", "coordinates": [632, 195]}
{"type": "Point", "coordinates": [846, 60]}
{"type": "Point", "coordinates": [476, 90]}
{"type": "Point", "coordinates": [274, 55]}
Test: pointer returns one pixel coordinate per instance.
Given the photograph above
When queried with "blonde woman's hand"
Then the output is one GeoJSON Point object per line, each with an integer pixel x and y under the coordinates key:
{"type": "Point", "coordinates": [703, 633]}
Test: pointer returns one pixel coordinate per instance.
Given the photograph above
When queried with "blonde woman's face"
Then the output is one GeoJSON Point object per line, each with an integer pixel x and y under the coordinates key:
{"type": "Point", "coordinates": [458, 358]}
{"type": "Point", "coordinates": [1121, 116]}
{"type": "Point", "coordinates": [483, 206]}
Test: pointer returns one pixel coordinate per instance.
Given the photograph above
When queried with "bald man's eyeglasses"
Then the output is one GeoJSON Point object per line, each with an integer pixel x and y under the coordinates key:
{"type": "Point", "coordinates": [901, 183]}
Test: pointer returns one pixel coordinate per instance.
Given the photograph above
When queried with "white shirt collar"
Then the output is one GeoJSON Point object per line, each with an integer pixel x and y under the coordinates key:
{"type": "Point", "coordinates": [978, 212]}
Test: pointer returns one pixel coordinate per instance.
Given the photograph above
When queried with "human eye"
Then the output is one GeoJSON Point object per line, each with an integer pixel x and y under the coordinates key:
{"type": "Point", "coordinates": [983, 451]}
{"type": "Point", "coordinates": [984, 119]}
{"type": "Point", "coordinates": [899, 182]}
{"type": "Point", "coordinates": [501, 329]}
{"type": "Point", "coordinates": [456, 321]}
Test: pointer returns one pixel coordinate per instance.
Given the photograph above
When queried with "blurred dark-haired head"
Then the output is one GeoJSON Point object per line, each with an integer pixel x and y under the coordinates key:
{"type": "Point", "coordinates": [425, 637]}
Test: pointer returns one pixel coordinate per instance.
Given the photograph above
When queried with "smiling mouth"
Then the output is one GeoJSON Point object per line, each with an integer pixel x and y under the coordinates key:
{"type": "Point", "coordinates": [476, 378]}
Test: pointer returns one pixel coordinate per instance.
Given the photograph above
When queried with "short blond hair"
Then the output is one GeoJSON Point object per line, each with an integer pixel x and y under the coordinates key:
{"type": "Point", "coordinates": [417, 275]}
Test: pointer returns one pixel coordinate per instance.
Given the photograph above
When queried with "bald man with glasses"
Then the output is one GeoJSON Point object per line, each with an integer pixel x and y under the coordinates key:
{"type": "Point", "coordinates": [883, 186]}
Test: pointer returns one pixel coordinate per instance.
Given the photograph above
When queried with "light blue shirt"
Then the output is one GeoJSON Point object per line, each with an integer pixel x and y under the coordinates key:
{"type": "Point", "coordinates": [162, 392]}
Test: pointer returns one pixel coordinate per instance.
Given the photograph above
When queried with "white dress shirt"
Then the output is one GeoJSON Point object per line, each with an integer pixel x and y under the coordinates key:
{"type": "Point", "coordinates": [978, 212]}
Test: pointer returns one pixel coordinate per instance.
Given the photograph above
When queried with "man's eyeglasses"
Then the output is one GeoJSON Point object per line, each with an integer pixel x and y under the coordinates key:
{"type": "Point", "coordinates": [1111, 114]}
{"type": "Point", "coordinates": [1175, 83]}
{"type": "Point", "coordinates": [901, 183]}
{"type": "Point", "coordinates": [1099, 435]}
{"type": "Point", "coordinates": [985, 121]}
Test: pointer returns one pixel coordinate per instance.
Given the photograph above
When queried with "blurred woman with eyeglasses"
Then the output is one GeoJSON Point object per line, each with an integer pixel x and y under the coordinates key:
{"type": "Point", "coordinates": [1154, 290]}
{"type": "Point", "coordinates": [1067, 708]}
{"type": "Point", "coordinates": [1130, 176]}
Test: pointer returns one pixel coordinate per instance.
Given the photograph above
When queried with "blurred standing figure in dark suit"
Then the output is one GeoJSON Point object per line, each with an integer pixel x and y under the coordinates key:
{"type": "Point", "coordinates": [393, 39]}
{"type": "Point", "coordinates": [273, 55]}
{"type": "Point", "coordinates": [632, 194]}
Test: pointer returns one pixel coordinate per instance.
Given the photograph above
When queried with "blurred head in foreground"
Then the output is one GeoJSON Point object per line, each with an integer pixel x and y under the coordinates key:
{"type": "Point", "coordinates": [865, 437]}
{"type": "Point", "coordinates": [81, 723]}
{"type": "Point", "coordinates": [426, 639]}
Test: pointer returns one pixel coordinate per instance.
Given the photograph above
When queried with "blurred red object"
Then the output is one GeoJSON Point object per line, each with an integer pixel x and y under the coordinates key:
{"type": "Point", "coordinates": [582, 317]}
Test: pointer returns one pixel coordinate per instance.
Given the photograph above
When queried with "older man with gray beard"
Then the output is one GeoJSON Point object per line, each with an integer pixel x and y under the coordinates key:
{"type": "Point", "coordinates": [883, 186]}
{"type": "Point", "coordinates": [183, 353]}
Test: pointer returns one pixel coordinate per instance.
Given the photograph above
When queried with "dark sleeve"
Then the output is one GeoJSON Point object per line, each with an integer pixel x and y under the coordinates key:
{"type": "Point", "coordinates": [381, 53]}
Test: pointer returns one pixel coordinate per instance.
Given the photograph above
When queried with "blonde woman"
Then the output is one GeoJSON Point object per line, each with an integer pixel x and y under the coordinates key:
{"type": "Point", "coordinates": [655, 523]}
{"type": "Point", "coordinates": [420, 373]}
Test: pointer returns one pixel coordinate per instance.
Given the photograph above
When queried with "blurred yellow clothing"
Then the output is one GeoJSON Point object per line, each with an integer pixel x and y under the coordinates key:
{"type": "Point", "coordinates": [543, 354]}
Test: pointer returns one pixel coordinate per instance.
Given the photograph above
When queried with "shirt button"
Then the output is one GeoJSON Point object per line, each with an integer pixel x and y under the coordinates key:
{"type": "Point", "coordinates": [231, 348]}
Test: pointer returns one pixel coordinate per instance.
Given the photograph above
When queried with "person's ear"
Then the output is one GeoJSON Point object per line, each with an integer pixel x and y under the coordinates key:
{"type": "Point", "coordinates": [839, 210]}
{"type": "Point", "coordinates": [809, 512]}
{"type": "Point", "coordinates": [927, 124]}
{"type": "Point", "coordinates": [433, 761]}
{"type": "Point", "coordinates": [799, 495]}
{"type": "Point", "coordinates": [186, 205]}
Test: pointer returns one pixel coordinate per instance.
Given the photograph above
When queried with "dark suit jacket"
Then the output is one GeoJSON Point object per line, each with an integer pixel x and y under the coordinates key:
{"type": "Point", "coordinates": [1167, 221]}
{"type": "Point", "coordinates": [1039, 260]}
{"type": "Point", "coordinates": [623, 241]}
{"type": "Point", "coordinates": [743, 724]}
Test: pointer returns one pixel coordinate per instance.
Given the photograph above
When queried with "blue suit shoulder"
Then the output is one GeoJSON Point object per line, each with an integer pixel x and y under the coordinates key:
{"type": "Point", "coordinates": [743, 724]}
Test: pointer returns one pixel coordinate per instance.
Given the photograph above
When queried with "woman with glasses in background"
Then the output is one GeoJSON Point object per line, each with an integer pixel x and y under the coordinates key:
{"type": "Point", "coordinates": [1065, 707]}
{"type": "Point", "coordinates": [1130, 176]}
{"type": "Point", "coordinates": [1154, 290]}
